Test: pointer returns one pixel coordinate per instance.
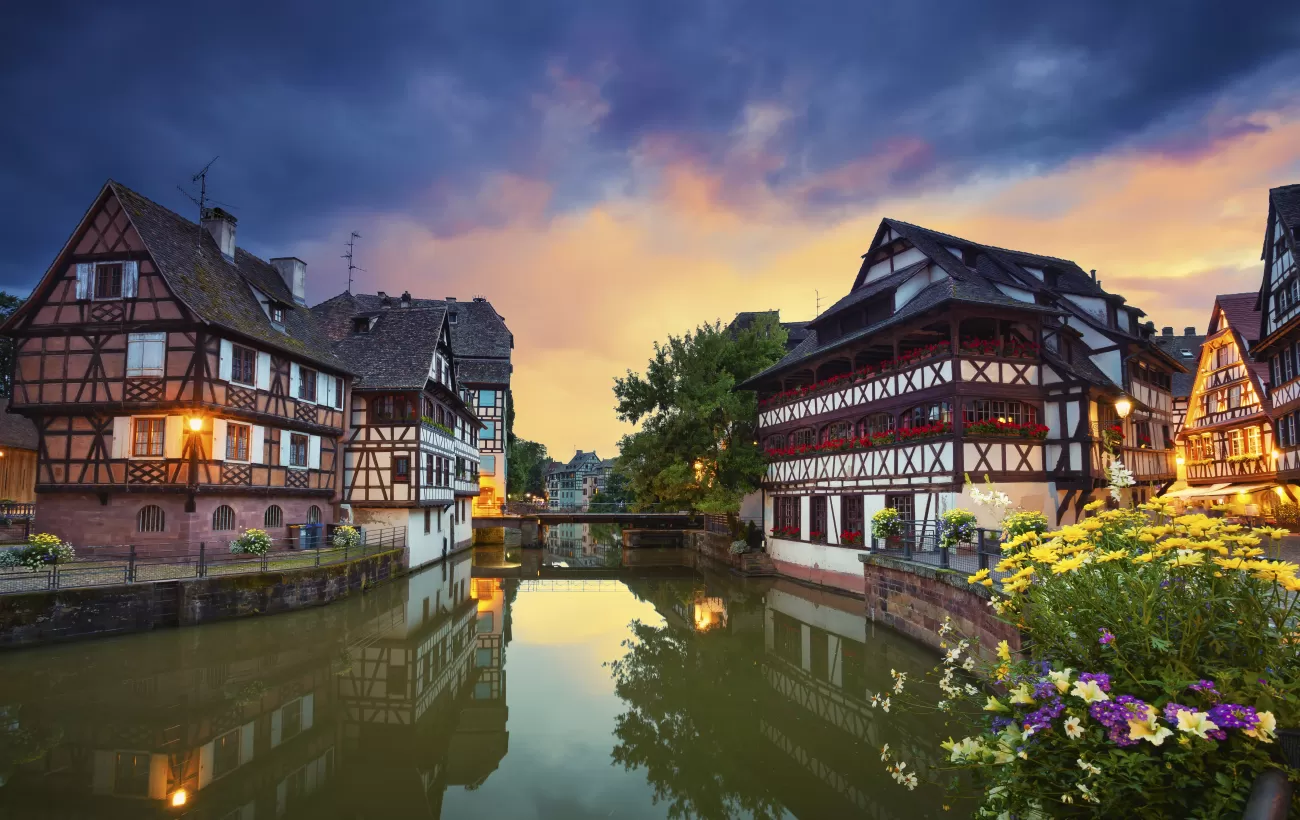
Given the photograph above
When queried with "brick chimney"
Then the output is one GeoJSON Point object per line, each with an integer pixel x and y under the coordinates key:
{"type": "Point", "coordinates": [1166, 331]}
{"type": "Point", "coordinates": [294, 273]}
{"type": "Point", "coordinates": [1189, 331]}
{"type": "Point", "coordinates": [221, 225]}
{"type": "Point", "coordinates": [405, 299]}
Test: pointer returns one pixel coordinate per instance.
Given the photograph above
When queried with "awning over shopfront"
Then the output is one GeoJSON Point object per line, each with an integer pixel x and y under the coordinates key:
{"type": "Point", "coordinates": [1216, 490]}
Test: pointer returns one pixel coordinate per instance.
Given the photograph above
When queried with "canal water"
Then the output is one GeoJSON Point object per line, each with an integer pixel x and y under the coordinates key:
{"type": "Point", "coordinates": [577, 681]}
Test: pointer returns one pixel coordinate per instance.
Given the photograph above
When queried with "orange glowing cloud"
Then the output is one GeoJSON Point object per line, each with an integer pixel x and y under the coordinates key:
{"type": "Point", "coordinates": [587, 292]}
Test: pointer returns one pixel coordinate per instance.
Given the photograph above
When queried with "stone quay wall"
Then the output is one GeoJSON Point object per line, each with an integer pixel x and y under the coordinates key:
{"type": "Point", "coordinates": [38, 618]}
{"type": "Point", "coordinates": [914, 599]}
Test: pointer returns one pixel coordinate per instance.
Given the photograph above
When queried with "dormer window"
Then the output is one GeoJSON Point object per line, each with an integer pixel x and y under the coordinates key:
{"type": "Point", "coordinates": [451, 317]}
{"type": "Point", "coordinates": [361, 325]}
{"type": "Point", "coordinates": [277, 313]}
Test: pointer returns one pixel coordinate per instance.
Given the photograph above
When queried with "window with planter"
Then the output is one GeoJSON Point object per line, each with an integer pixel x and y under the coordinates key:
{"type": "Point", "coordinates": [1015, 412]}
{"type": "Point", "coordinates": [851, 519]}
{"type": "Point", "coordinates": [802, 438]}
{"type": "Point", "coordinates": [876, 424]}
{"type": "Point", "coordinates": [836, 430]}
{"type": "Point", "coordinates": [904, 504]}
{"type": "Point", "coordinates": [785, 510]}
{"type": "Point", "coordinates": [817, 518]}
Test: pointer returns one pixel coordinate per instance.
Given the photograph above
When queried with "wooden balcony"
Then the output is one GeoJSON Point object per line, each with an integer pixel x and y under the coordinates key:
{"type": "Point", "coordinates": [929, 461]}
{"type": "Point", "coordinates": [1224, 470]}
{"type": "Point", "coordinates": [921, 375]}
{"type": "Point", "coordinates": [1145, 464]}
{"type": "Point", "coordinates": [180, 474]}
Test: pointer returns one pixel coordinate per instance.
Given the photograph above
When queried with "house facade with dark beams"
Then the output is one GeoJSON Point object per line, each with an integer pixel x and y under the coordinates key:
{"type": "Point", "coordinates": [1278, 348]}
{"type": "Point", "coordinates": [410, 455]}
{"type": "Point", "coordinates": [1226, 444]}
{"type": "Point", "coordinates": [179, 385]}
{"type": "Point", "coordinates": [951, 358]}
{"type": "Point", "coordinates": [482, 345]}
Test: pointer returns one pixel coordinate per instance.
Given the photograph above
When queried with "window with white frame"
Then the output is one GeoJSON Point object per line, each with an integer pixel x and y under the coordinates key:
{"type": "Point", "coordinates": [146, 354]}
{"type": "Point", "coordinates": [147, 436]}
{"type": "Point", "coordinates": [297, 450]}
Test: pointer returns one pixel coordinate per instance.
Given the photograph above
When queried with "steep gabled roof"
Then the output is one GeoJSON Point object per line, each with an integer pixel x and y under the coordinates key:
{"type": "Point", "coordinates": [1285, 200]}
{"type": "Point", "coordinates": [217, 290]}
{"type": "Point", "coordinates": [1239, 308]}
{"type": "Point", "coordinates": [397, 352]}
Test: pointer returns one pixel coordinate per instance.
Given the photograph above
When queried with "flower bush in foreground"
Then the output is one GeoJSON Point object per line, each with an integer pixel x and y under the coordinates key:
{"type": "Point", "coordinates": [252, 542]}
{"type": "Point", "coordinates": [40, 552]}
{"type": "Point", "coordinates": [886, 523]}
{"type": "Point", "coordinates": [1159, 659]}
{"type": "Point", "coordinates": [346, 538]}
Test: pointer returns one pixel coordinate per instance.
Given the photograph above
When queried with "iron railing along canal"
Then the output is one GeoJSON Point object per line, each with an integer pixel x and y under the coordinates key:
{"type": "Point", "coordinates": [130, 564]}
{"type": "Point", "coordinates": [921, 542]}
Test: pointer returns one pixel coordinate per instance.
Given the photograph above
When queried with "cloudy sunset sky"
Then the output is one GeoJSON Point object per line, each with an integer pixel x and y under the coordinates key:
{"type": "Point", "coordinates": [608, 173]}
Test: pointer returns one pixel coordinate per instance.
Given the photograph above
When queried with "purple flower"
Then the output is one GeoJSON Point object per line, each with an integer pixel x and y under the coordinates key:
{"type": "Point", "coordinates": [1233, 716]}
{"type": "Point", "coordinates": [1000, 723]}
{"type": "Point", "coordinates": [1042, 718]}
{"type": "Point", "coordinates": [1044, 690]}
{"type": "Point", "coordinates": [1115, 715]}
{"type": "Point", "coordinates": [1106, 637]}
{"type": "Point", "coordinates": [1172, 709]}
{"type": "Point", "coordinates": [1102, 679]}
{"type": "Point", "coordinates": [1205, 687]}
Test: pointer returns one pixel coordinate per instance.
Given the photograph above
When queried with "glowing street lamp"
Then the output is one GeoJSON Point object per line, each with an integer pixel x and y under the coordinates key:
{"type": "Point", "coordinates": [196, 423]}
{"type": "Point", "coordinates": [1123, 406]}
{"type": "Point", "coordinates": [179, 797]}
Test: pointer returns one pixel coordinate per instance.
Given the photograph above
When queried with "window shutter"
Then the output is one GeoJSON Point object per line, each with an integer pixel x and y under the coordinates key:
{"type": "Point", "coordinates": [130, 275]}
{"type": "Point", "coordinates": [327, 395]}
{"type": "Point", "coordinates": [263, 376]}
{"type": "Point", "coordinates": [277, 730]}
{"type": "Point", "coordinates": [225, 366]}
{"type": "Point", "coordinates": [134, 355]}
{"type": "Point", "coordinates": [246, 743]}
{"type": "Point", "coordinates": [294, 376]}
{"type": "Point", "coordinates": [218, 440]}
{"type": "Point", "coordinates": [85, 275]}
{"type": "Point", "coordinates": [323, 384]}
{"type": "Point", "coordinates": [256, 444]}
{"type": "Point", "coordinates": [121, 436]}
{"type": "Point", "coordinates": [313, 452]}
{"type": "Point", "coordinates": [154, 358]}
{"type": "Point", "coordinates": [174, 432]}
{"type": "Point", "coordinates": [284, 448]}
{"type": "Point", "coordinates": [338, 392]}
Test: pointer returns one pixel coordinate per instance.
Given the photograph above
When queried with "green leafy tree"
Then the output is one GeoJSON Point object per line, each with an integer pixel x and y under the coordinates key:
{"type": "Point", "coordinates": [525, 466]}
{"type": "Point", "coordinates": [617, 490]}
{"type": "Point", "coordinates": [8, 304]}
{"type": "Point", "coordinates": [696, 446]}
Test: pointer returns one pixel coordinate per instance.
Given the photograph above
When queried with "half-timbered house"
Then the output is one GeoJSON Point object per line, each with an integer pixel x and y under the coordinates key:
{"type": "Point", "coordinates": [179, 385]}
{"type": "Point", "coordinates": [1278, 347]}
{"type": "Point", "coordinates": [951, 358]}
{"type": "Point", "coordinates": [482, 345]}
{"type": "Point", "coordinates": [410, 453]}
{"type": "Point", "coordinates": [1226, 444]}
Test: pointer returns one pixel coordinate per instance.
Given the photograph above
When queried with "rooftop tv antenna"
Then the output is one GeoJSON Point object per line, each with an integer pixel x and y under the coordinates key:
{"type": "Point", "coordinates": [348, 256]}
{"type": "Point", "coordinates": [819, 301]}
{"type": "Point", "coordinates": [202, 179]}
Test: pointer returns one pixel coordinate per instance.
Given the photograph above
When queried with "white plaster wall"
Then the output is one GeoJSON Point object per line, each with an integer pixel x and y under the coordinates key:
{"type": "Point", "coordinates": [816, 556]}
{"type": "Point", "coordinates": [1019, 294]}
{"type": "Point", "coordinates": [1090, 304]}
{"type": "Point", "coordinates": [1110, 363]}
{"type": "Point", "coordinates": [751, 507]}
{"type": "Point", "coordinates": [833, 523]}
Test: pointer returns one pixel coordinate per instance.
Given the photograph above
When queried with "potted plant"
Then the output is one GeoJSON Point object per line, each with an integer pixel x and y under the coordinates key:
{"type": "Point", "coordinates": [346, 538]}
{"type": "Point", "coordinates": [252, 542]}
{"type": "Point", "coordinates": [851, 538]}
{"type": "Point", "coordinates": [817, 536]}
{"type": "Point", "coordinates": [888, 526]}
{"type": "Point", "coordinates": [956, 527]}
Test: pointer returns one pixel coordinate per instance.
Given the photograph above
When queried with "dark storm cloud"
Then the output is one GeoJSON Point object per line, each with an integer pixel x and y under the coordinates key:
{"type": "Point", "coordinates": [327, 107]}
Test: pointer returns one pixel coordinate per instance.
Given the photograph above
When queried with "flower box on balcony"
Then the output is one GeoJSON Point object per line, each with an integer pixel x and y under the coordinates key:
{"type": "Point", "coordinates": [1005, 429]}
{"type": "Point", "coordinates": [863, 374]}
{"type": "Point", "coordinates": [905, 435]}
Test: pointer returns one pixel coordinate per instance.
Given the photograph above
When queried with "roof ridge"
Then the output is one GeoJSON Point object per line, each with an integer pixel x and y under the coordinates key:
{"type": "Point", "coordinates": [981, 244]}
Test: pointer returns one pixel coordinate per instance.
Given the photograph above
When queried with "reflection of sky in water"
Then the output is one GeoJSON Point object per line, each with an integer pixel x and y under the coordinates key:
{"type": "Point", "coordinates": [562, 712]}
{"type": "Point", "coordinates": [402, 688]}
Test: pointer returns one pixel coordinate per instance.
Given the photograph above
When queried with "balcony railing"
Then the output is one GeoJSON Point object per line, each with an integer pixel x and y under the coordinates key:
{"type": "Point", "coordinates": [1224, 468]}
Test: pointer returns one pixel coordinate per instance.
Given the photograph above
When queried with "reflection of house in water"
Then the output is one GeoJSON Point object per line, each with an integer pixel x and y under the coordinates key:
{"type": "Point", "coordinates": [430, 692]}
{"type": "Point", "coordinates": [385, 700]}
{"type": "Point", "coordinates": [822, 665]}
{"type": "Point", "coordinates": [583, 545]}
{"type": "Point", "coordinates": [243, 729]}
